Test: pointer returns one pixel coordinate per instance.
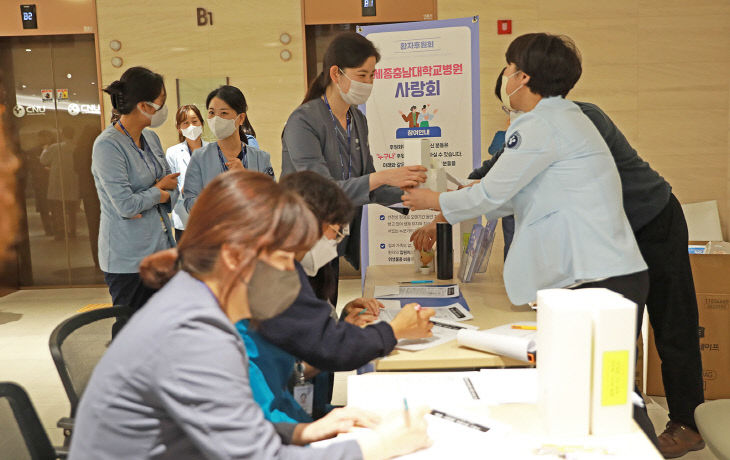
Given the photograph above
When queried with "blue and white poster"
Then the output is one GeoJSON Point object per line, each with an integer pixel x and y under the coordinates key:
{"type": "Point", "coordinates": [426, 86]}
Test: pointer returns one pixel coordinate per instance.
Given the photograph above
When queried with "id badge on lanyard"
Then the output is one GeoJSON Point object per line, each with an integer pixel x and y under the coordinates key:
{"type": "Point", "coordinates": [303, 390]}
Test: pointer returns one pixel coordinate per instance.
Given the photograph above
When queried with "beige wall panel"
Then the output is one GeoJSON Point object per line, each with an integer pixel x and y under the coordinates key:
{"type": "Point", "coordinates": [600, 41]}
{"type": "Point", "coordinates": [611, 87]}
{"type": "Point", "coordinates": [582, 10]}
{"type": "Point", "coordinates": [684, 39]}
{"type": "Point", "coordinates": [627, 123]}
{"type": "Point", "coordinates": [242, 44]}
{"type": "Point", "coordinates": [689, 132]}
{"type": "Point", "coordinates": [672, 86]}
{"type": "Point", "coordinates": [683, 8]}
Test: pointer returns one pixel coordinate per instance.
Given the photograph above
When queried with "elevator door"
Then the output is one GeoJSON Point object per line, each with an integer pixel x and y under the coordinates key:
{"type": "Point", "coordinates": [53, 83]}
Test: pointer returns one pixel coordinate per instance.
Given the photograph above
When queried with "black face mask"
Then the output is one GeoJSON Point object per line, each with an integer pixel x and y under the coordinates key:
{"type": "Point", "coordinates": [271, 291]}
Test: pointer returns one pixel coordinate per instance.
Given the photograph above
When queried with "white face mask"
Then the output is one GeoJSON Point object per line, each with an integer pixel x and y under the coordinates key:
{"type": "Point", "coordinates": [322, 252]}
{"type": "Point", "coordinates": [192, 132]}
{"type": "Point", "coordinates": [222, 128]}
{"type": "Point", "coordinates": [505, 95]}
{"type": "Point", "coordinates": [157, 118]}
{"type": "Point", "coordinates": [359, 92]}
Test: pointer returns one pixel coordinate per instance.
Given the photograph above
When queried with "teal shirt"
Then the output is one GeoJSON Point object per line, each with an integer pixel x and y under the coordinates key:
{"type": "Point", "coordinates": [269, 369]}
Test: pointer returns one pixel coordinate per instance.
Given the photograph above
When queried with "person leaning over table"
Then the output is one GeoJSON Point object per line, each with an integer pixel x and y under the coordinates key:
{"type": "Point", "coordinates": [189, 125]}
{"type": "Point", "coordinates": [658, 223]}
{"type": "Point", "coordinates": [558, 178]}
{"type": "Point", "coordinates": [134, 184]}
{"type": "Point", "coordinates": [328, 134]}
{"type": "Point", "coordinates": [227, 115]}
{"type": "Point", "coordinates": [174, 383]}
{"type": "Point", "coordinates": [308, 330]}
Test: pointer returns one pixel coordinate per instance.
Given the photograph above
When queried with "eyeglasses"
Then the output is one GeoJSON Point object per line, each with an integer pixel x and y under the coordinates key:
{"type": "Point", "coordinates": [341, 235]}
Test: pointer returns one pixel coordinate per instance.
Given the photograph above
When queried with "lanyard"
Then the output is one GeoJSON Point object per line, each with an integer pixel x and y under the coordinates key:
{"type": "Point", "coordinates": [141, 154]}
{"type": "Point", "coordinates": [244, 160]}
{"type": "Point", "coordinates": [339, 133]}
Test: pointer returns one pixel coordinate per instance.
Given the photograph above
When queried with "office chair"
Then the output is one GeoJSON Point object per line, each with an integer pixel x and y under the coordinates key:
{"type": "Point", "coordinates": [22, 435]}
{"type": "Point", "coordinates": [713, 422]}
{"type": "Point", "coordinates": [76, 345]}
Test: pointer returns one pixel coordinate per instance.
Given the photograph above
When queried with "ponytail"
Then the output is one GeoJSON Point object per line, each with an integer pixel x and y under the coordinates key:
{"type": "Point", "coordinates": [137, 84]}
{"type": "Point", "coordinates": [159, 268]}
{"type": "Point", "coordinates": [316, 89]}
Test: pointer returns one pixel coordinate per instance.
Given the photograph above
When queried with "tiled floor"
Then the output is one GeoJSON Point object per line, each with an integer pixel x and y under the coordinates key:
{"type": "Point", "coordinates": [28, 317]}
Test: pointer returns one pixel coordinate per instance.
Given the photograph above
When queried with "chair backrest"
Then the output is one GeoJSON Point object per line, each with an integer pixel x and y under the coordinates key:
{"type": "Point", "coordinates": [77, 345]}
{"type": "Point", "coordinates": [22, 435]}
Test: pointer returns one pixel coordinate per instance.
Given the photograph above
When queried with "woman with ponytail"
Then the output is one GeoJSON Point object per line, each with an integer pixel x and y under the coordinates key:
{"type": "Point", "coordinates": [328, 134]}
{"type": "Point", "coordinates": [227, 119]}
{"type": "Point", "coordinates": [135, 186]}
{"type": "Point", "coordinates": [174, 383]}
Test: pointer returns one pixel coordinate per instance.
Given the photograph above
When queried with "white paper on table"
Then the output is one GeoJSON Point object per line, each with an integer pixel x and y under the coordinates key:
{"type": "Point", "coordinates": [502, 386]}
{"type": "Point", "coordinates": [450, 439]}
{"type": "Point", "coordinates": [443, 331]}
{"type": "Point", "coordinates": [502, 340]}
{"type": "Point", "coordinates": [384, 391]}
{"type": "Point", "coordinates": [451, 290]}
{"type": "Point", "coordinates": [453, 312]}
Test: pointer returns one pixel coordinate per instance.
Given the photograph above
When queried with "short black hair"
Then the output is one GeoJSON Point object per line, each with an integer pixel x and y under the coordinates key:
{"type": "Point", "coordinates": [498, 87]}
{"type": "Point", "coordinates": [137, 84]}
{"type": "Point", "coordinates": [323, 196]}
{"type": "Point", "coordinates": [413, 107]}
{"type": "Point", "coordinates": [552, 61]}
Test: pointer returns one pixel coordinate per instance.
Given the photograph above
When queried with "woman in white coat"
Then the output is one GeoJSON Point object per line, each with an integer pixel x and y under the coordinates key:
{"type": "Point", "coordinates": [189, 124]}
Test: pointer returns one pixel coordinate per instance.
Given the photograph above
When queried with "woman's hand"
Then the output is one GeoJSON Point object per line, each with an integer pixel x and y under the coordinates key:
{"type": "Point", "coordinates": [421, 198]}
{"type": "Point", "coordinates": [424, 238]}
{"type": "Point", "coordinates": [398, 435]}
{"type": "Point", "coordinates": [403, 177]}
{"type": "Point", "coordinates": [235, 164]}
{"type": "Point", "coordinates": [168, 182]}
{"type": "Point", "coordinates": [360, 317]}
{"type": "Point", "coordinates": [413, 323]}
{"type": "Point", "coordinates": [372, 305]}
{"type": "Point", "coordinates": [164, 196]}
{"type": "Point", "coordinates": [337, 421]}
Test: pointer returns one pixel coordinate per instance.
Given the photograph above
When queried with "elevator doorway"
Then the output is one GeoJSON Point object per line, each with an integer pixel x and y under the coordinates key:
{"type": "Point", "coordinates": [51, 87]}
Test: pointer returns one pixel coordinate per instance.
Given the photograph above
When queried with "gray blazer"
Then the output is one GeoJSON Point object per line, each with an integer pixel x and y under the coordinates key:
{"type": "Point", "coordinates": [309, 143]}
{"type": "Point", "coordinates": [559, 179]}
{"type": "Point", "coordinates": [205, 165]}
{"type": "Point", "coordinates": [125, 185]}
{"type": "Point", "coordinates": [174, 385]}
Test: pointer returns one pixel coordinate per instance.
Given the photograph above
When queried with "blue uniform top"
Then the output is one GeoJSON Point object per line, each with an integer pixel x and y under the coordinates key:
{"type": "Point", "coordinates": [205, 164]}
{"type": "Point", "coordinates": [558, 178]}
{"type": "Point", "coordinates": [125, 179]}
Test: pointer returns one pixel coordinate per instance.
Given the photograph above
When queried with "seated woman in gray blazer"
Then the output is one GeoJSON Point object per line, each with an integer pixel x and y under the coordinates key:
{"type": "Point", "coordinates": [174, 384]}
{"type": "Point", "coordinates": [227, 119]}
{"type": "Point", "coordinates": [558, 177]}
{"type": "Point", "coordinates": [134, 184]}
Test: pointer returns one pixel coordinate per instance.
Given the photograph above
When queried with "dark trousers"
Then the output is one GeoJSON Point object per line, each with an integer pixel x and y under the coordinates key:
{"type": "Point", "coordinates": [127, 289]}
{"type": "Point", "coordinates": [672, 308]}
{"type": "Point", "coordinates": [634, 287]}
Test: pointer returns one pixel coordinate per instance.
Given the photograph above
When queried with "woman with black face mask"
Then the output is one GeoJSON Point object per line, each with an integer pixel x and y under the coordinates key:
{"type": "Point", "coordinates": [174, 384]}
{"type": "Point", "coordinates": [135, 187]}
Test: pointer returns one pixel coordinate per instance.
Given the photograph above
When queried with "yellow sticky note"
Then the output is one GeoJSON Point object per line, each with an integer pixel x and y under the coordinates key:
{"type": "Point", "coordinates": [615, 375]}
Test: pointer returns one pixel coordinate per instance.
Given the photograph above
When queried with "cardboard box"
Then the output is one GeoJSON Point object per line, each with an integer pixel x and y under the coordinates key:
{"type": "Point", "coordinates": [711, 273]}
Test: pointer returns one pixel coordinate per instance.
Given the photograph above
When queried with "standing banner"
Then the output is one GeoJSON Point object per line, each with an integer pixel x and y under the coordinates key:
{"type": "Point", "coordinates": [426, 87]}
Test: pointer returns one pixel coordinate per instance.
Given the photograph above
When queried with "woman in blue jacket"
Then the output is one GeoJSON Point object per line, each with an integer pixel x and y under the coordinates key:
{"type": "Point", "coordinates": [134, 184]}
{"type": "Point", "coordinates": [227, 119]}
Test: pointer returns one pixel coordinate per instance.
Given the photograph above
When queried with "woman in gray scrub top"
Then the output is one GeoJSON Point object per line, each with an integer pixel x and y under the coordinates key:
{"type": "Point", "coordinates": [328, 134]}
